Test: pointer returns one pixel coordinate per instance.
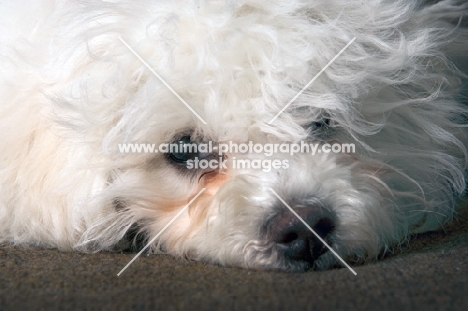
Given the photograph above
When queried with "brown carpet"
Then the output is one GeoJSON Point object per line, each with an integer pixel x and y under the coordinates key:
{"type": "Point", "coordinates": [430, 274]}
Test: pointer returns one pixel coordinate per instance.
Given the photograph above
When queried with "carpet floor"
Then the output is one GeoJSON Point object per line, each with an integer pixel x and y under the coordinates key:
{"type": "Point", "coordinates": [430, 273]}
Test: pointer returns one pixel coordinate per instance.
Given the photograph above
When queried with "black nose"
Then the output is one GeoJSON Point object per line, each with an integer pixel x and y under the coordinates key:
{"type": "Point", "coordinates": [294, 240]}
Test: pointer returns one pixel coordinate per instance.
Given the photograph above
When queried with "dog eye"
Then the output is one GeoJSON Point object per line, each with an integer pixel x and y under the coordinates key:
{"type": "Point", "coordinates": [181, 157]}
{"type": "Point", "coordinates": [187, 150]}
{"type": "Point", "coordinates": [319, 125]}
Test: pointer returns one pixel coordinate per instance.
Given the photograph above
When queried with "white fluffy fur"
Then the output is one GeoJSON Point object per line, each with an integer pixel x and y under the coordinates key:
{"type": "Point", "coordinates": [70, 92]}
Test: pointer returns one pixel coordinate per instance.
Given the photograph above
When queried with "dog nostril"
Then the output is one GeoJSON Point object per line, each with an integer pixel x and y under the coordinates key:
{"type": "Point", "coordinates": [324, 227]}
{"type": "Point", "coordinates": [289, 237]}
{"type": "Point", "coordinates": [294, 240]}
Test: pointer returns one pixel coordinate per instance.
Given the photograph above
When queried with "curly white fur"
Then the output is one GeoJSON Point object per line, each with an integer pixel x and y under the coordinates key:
{"type": "Point", "coordinates": [70, 92]}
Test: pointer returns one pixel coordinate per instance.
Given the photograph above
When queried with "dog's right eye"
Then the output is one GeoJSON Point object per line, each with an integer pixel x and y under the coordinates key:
{"type": "Point", "coordinates": [187, 150]}
{"type": "Point", "coordinates": [181, 157]}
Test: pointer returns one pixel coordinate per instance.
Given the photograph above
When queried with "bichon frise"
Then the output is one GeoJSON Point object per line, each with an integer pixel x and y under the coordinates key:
{"type": "Point", "coordinates": [117, 116]}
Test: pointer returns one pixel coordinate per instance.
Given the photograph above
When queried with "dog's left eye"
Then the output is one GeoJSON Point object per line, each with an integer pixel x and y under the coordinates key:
{"type": "Point", "coordinates": [187, 150]}
{"type": "Point", "coordinates": [320, 124]}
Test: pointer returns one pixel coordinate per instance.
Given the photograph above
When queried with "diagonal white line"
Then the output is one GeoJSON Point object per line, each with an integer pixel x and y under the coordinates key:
{"type": "Point", "coordinates": [318, 236]}
{"type": "Point", "coordinates": [313, 79]}
{"type": "Point", "coordinates": [161, 79]}
{"type": "Point", "coordinates": [162, 230]}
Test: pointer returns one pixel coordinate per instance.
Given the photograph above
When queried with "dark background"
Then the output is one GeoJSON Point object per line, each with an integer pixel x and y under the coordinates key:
{"type": "Point", "coordinates": [429, 273]}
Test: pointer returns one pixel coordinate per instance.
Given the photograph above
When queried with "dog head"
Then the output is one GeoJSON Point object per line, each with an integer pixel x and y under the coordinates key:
{"type": "Point", "coordinates": [324, 75]}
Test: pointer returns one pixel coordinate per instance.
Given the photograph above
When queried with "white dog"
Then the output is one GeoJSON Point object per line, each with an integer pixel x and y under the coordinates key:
{"type": "Point", "coordinates": [388, 80]}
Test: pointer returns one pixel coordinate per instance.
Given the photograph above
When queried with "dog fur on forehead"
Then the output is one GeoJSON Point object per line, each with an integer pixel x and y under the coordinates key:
{"type": "Point", "coordinates": [71, 91]}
